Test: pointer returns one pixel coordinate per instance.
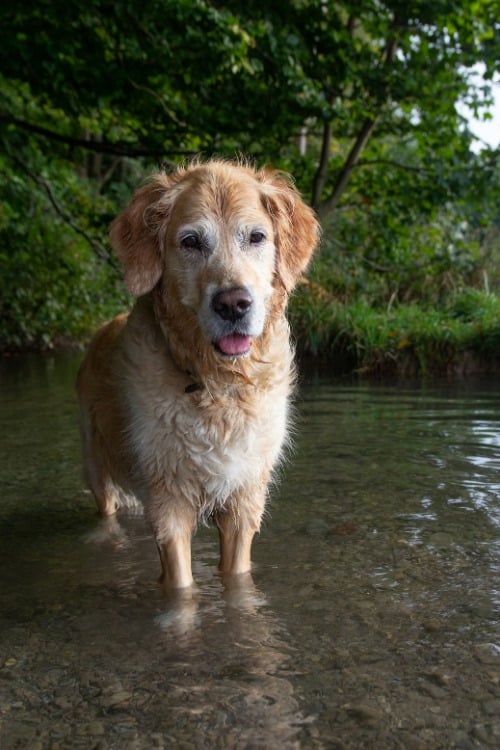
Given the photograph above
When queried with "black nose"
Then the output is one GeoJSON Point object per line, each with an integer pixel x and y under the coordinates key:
{"type": "Point", "coordinates": [232, 304]}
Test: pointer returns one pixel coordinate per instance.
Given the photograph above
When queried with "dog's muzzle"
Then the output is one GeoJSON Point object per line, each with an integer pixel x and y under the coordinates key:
{"type": "Point", "coordinates": [234, 309]}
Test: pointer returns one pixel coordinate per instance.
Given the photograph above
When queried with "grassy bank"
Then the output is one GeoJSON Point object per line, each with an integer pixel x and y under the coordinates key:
{"type": "Point", "coordinates": [462, 337]}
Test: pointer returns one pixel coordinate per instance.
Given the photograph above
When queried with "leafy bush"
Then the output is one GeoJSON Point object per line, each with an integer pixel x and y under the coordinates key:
{"type": "Point", "coordinates": [55, 283]}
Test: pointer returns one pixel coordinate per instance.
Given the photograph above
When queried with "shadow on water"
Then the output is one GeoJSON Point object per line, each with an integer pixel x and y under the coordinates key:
{"type": "Point", "coordinates": [371, 618]}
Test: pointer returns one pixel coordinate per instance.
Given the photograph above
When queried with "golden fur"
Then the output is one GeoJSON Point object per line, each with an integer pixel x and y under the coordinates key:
{"type": "Point", "coordinates": [184, 402]}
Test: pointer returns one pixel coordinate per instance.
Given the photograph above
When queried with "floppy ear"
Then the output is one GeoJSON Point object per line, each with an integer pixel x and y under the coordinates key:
{"type": "Point", "coordinates": [297, 229]}
{"type": "Point", "coordinates": [137, 234]}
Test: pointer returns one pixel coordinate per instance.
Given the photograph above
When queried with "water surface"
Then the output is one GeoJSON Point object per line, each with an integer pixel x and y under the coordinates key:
{"type": "Point", "coordinates": [372, 619]}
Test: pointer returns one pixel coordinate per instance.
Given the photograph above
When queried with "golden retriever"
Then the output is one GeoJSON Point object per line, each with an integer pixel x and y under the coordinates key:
{"type": "Point", "coordinates": [184, 402]}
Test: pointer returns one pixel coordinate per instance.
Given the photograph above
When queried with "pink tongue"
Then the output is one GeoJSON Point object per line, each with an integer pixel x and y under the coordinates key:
{"type": "Point", "coordinates": [234, 344]}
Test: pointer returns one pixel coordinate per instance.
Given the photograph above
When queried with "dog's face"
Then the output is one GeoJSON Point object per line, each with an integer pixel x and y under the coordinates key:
{"type": "Point", "coordinates": [226, 243]}
{"type": "Point", "coordinates": [220, 256]}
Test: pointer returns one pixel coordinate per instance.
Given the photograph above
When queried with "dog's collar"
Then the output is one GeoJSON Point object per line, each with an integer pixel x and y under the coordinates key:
{"type": "Point", "coordinates": [192, 387]}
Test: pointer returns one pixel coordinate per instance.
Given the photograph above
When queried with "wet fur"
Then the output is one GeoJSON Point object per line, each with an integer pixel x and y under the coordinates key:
{"type": "Point", "coordinates": [166, 418]}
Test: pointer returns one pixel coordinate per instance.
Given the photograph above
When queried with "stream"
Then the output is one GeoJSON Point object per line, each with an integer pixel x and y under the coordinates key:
{"type": "Point", "coordinates": [371, 618]}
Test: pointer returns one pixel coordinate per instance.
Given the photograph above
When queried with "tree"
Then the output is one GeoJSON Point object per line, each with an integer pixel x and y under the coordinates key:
{"type": "Point", "coordinates": [169, 79]}
{"type": "Point", "coordinates": [101, 91]}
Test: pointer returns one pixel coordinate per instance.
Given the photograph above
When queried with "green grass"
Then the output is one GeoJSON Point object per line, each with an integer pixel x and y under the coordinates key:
{"type": "Point", "coordinates": [401, 339]}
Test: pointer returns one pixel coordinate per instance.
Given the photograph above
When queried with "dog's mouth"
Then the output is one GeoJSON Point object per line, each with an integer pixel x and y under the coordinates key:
{"type": "Point", "coordinates": [234, 345]}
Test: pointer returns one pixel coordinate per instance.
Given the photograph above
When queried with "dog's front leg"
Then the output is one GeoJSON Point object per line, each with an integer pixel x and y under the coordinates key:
{"type": "Point", "coordinates": [237, 528]}
{"type": "Point", "coordinates": [173, 533]}
{"type": "Point", "coordinates": [175, 556]}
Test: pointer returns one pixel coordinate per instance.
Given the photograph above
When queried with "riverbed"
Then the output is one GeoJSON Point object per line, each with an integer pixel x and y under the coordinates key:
{"type": "Point", "coordinates": [371, 618]}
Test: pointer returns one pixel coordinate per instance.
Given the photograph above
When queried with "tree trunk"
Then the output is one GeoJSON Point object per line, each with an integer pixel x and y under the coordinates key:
{"type": "Point", "coordinates": [330, 204]}
{"type": "Point", "coordinates": [327, 206]}
{"type": "Point", "coordinates": [322, 171]}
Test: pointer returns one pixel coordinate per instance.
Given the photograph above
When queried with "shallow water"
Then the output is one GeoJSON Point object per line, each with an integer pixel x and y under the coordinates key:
{"type": "Point", "coordinates": [372, 619]}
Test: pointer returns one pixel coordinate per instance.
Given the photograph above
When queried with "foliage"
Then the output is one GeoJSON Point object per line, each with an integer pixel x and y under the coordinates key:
{"type": "Point", "coordinates": [442, 245]}
{"type": "Point", "coordinates": [170, 78]}
{"type": "Point", "coordinates": [407, 339]}
{"type": "Point", "coordinates": [357, 100]}
{"type": "Point", "coordinates": [55, 283]}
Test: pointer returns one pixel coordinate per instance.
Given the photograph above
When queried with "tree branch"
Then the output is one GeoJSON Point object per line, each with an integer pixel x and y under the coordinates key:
{"type": "Point", "coordinates": [368, 126]}
{"type": "Point", "coordinates": [98, 248]}
{"type": "Point", "coordinates": [490, 164]}
{"type": "Point", "coordinates": [330, 204]}
{"type": "Point", "coordinates": [322, 171]}
{"type": "Point", "coordinates": [161, 101]}
{"type": "Point", "coordinates": [97, 146]}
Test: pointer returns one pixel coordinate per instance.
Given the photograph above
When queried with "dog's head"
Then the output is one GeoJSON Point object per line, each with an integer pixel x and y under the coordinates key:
{"type": "Point", "coordinates": [225, 242]}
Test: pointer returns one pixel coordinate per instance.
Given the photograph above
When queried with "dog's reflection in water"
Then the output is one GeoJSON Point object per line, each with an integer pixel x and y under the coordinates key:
{"type": "Point", "coordinates": [219, 643]}
{"type": "Point", "coordinates": [236, 663]}
{"type": "Point", "coordinates": [111, 530]}
{"type": "Point", "coordinates": [185, 607]}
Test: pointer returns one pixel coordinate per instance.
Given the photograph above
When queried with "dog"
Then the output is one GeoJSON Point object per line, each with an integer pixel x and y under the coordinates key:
{"type": "Point", "coordinates": [184, 402]}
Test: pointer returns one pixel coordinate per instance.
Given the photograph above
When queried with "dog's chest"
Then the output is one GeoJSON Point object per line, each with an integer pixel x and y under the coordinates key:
{"type": "Point", "coordinates": [231, 447]}
{"type": "Point", "coordinates": [215, 448]}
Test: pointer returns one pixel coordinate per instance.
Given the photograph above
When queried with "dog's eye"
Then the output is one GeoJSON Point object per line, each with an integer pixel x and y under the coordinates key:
{"type": "Point", "coordinates": [257, 237]}
{"type": "Point", "coordinates": [191, 242]}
